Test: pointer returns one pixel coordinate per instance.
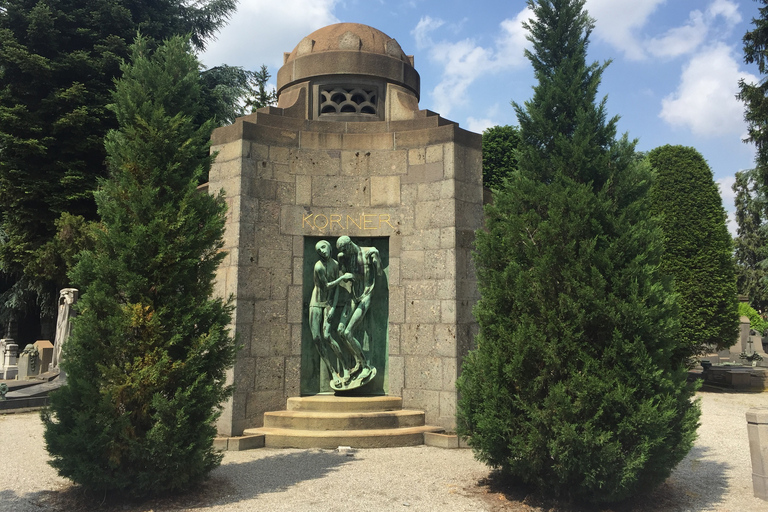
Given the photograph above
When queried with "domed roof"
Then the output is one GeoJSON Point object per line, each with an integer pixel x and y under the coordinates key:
{"type": "Point", "coordinates": [348, 37]}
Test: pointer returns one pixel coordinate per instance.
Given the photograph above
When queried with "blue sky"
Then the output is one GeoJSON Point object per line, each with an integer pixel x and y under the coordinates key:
{"type": "Point", "coordinates": [674, 71]}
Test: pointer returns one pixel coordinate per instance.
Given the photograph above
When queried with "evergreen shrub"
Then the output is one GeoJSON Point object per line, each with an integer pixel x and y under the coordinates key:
{"type": "Point", "coordinates": [698, 250]}
{"type": "Point", "coordinates": [573, 387]}
{"type": "Point", "coordinates": [147, 357]}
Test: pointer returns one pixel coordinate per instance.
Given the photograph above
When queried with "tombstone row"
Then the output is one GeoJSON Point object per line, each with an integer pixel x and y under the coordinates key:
{"type": "Point", "coordinates": [42, 356]}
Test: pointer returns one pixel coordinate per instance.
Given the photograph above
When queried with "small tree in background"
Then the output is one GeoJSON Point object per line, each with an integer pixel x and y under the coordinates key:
{"type": "Point", "coordinates": [750, 242]}
{"type": "Point", "coordinates": [755, 96]}
{"type": "Point", "coordinates": [499, 154]}
{"type": "Point", "coordinates": [697, 249]}
{"type": "Point", "coordinates": [147, 357]}
{"type": "Point", "coordinates": [258, 95]}
{"type": "Point", "coordinates": [573, 387]}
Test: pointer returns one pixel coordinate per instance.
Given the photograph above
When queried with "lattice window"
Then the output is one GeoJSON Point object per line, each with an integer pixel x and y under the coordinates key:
{"type": "Point", "coordinates": [346, 100]}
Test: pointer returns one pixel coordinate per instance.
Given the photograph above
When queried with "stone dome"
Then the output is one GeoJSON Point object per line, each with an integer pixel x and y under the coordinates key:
{"type": "Point", "coordinates": [348, 37]}
{"type": "Point", "coordinates": [348, 50]}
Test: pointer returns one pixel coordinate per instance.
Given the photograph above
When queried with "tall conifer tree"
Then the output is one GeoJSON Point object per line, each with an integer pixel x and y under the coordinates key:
{"type": "Point", "coordinates": [147, 357]}
{"type": "Point", "coordinates": [698, 251]}
{"type": "Point", "coordinates": [573, 387]}
{"type": "Point", "coordinates": [58, 60]}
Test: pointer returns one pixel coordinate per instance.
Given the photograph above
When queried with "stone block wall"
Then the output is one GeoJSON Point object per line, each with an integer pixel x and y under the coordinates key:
{"type": "Point", "coordinates": [417, 183]}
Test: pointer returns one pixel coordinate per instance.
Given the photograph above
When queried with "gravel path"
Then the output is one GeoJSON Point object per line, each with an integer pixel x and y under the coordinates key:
{"type": "Point", "coordinates": [716, 476]}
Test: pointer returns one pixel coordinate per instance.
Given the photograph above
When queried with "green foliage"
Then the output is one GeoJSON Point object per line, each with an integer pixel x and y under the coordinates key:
{"type": "Point", "coordinates": [697, 249]}
{"type": "Point", "coordinates": [499, 154]}
{"type": "Point", "coordinates": [573, 387]}
{"type": "Point", "coordinates": [756, 322]}
{"type": "Point", "coordinates": [58, 61]}
{"type": "Point", "coordinates": [258, 95]}
{"type": "Point", "coordinates": [147, 357]}
{"type": "Point", "coordinates": [755, 96]}
{"type": "Point", "coordinates": [750, 243]}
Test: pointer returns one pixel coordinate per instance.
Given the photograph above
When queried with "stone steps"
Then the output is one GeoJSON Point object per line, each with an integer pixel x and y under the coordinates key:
{"type": "Point", "coordinates": [333, 403]}
{"type": "Point", "coordinates": [315, 420]}
{"type": "Point", "coordinates": [327, 421]}
{"type": "Point", "coordinates": [331, 439]}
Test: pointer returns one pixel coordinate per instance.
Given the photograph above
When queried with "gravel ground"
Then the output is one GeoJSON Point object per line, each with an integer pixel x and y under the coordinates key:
{"type": "Point", "coordinates": [716, 476]}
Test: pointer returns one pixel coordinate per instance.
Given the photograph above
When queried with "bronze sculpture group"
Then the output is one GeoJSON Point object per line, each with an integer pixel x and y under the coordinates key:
{"type": "Point", "coordinates": [345, 284]}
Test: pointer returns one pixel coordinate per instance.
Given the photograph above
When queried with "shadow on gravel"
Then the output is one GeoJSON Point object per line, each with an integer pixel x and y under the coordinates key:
{"type": "Point", "coordinates": [230, 483]}
{"type": "Point", "coordinates": [696, 484]}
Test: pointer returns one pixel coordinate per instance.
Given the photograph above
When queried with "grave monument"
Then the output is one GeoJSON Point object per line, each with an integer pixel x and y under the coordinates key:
{"type": "Point", "coordinates": [349, 231]}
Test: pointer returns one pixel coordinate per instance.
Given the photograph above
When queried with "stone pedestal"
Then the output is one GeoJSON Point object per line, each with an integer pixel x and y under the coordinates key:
{"type": "Point", "coordinates": [757, 428]}
{"type": "Point", "coordinates": [29, 363]}
{"type": "Point", "coordinates": [9, 352]}
{"type": "Point", "coordinates": [742, 342]}
{"type": "Point", "coordinates": [45, 352]}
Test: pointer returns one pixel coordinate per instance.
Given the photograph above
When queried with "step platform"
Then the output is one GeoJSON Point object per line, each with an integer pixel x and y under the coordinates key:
{"type": "Point", "coordinates": [329, 421]}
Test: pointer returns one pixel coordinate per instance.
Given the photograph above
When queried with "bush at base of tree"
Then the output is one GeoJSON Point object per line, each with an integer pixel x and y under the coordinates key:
{"type": "Point", "coordinates": [148, 353]}
{"type": "Point", "coordinates": [573, 387]}
{"type": "Point", "coordinates": [698, 251]}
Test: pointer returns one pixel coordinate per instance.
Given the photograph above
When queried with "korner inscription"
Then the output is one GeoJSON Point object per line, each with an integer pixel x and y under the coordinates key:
{"type": "Point", "coordinates": [364, 221]}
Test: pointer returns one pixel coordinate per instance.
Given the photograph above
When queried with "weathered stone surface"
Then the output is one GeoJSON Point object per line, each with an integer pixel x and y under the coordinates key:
{"type": "Point", "coordinates": [419, 311]}
{"type": "Point", "coordinates": [45, 352]}
{"type": "Point", "coordinates": [340, 192]}
{"type": "Point", "coordinates": [423, 372]}
{"type": "Point", "coordinates": [424, 400]}
{"type": "Point", "coordinates": [757, 430]}
{"type": "Point", "coordinates": [270, 373]}
{"type": "Point", "coordinates": [424, 173]}
{"type": "Point", "coordinates": [373, 163]}
{"type": "Point", "coordinates": [385, 190]}
{"type": "Point", "coordinates": [396, 375]}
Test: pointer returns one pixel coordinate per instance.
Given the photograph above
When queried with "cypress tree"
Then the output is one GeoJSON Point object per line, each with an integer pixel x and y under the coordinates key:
{"type": "Point", "coordinates": [698, 251]}
{"type": "Point", "coordinates": [147, 357]}
{"type": "Point", "coordinates": [573, 387]}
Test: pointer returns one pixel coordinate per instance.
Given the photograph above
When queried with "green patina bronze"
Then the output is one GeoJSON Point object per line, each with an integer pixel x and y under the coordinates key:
{"type": "Point", "coordinates": [345, 316]}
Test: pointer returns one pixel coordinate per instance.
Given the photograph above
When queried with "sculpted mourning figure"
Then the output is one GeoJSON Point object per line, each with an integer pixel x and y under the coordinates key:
{"type": "Point", "coordinates": [346, 284]}
{"type": "Point", "coordinates": [322, 307]}
{"type": "Point", "coordinates": [360, 266]}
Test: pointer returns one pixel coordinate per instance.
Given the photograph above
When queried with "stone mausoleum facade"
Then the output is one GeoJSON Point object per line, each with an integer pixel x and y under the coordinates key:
{"type": "Point", "coordinates": [348, 152]}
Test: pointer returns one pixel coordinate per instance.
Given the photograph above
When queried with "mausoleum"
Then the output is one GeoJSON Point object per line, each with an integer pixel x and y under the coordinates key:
{"type": "Point", "coordinates": [351, 220]}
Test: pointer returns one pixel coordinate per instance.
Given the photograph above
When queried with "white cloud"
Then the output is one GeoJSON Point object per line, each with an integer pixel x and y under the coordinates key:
{"type": "Point", "coordinates": [729, 198]}
{"type": "Point", "coordinates": [479, 125]}
{"type": "Point", "coordinates": [726, 9]}
{"type": "Point", "coordinates": [705, 101]}
{"type": "Point", "coordinates": [465, 61]}
{"type": "Point", "coordinates": [618, 23]}
{"type": "Point", "coordinates": [512, 41]}
{"type": "Point", "coordinates": [680, 40]}
{"type": "Point", "coordinates": [261, 31]}
{"type": "Point", "coordinates": [623, 25]}
{"type": "Point", "coordinates": [726, 190]}
{"type": "Point", "coordinates": [422, 32]}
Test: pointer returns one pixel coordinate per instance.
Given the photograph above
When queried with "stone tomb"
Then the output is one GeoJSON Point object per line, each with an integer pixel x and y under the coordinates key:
{"type": "Point", "coordinates": [9, 369]}
{"type": "Point", "coordinates": [348, 153]}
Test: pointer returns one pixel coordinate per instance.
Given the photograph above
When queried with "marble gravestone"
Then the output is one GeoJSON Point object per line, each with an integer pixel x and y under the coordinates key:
{"type": "Point", "coordinates": [351, 219]}
{"type": "Point", "coordinates": [67, 298]}
{"type": "Point", "coordinates": [9, 351]}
